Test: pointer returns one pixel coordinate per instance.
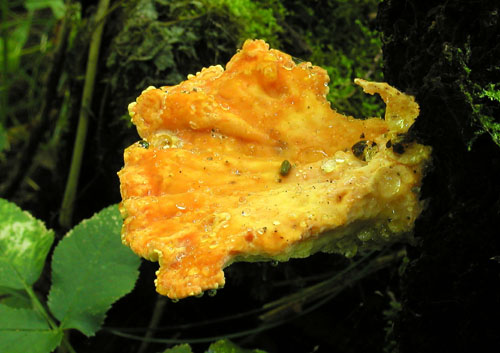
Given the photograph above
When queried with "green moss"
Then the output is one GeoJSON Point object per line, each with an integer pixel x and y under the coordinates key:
{"type": "Point", "coordinates": [491, 126]}
{"type": "Point", "coordinates": [163, 41]}
{"type": "Point", "coordinates": [492, 92]}
{"type": "Point", "coordinates": [488, 122]}
{"type": "Point", "coordinates": [482, 99]}
{"type": "Point", "coordinates": [341, 37]}
{"type": "Point", "coordinates": [485, 106]}
{"type": "Point", "coordinates": [256, 19]}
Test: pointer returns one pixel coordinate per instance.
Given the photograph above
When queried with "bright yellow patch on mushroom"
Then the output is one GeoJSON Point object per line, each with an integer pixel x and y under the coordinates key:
{"type": "Point", "coordinates": [212, 187]}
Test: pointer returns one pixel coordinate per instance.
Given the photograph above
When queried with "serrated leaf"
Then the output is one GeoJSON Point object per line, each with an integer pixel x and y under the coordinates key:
{"type": "Point", "coordinates": [91, 269]}
{"type": "Point", "coordinates": [226, 346]}
{"type": "Point", "coordinates": [181, 348]}
{"type": "Point", "coordinates": [24, 244]}
{"type": "Point", "coordinates": [23, 330]}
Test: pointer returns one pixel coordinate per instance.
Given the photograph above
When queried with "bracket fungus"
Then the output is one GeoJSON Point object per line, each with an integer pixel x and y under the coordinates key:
{"type": "Point", "coordinates": [250, 163]}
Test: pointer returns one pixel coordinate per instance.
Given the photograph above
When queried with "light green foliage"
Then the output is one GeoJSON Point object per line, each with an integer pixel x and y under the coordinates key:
{"type": "Point", "coordinates": [18, 35]}
{"type": "Point", "coordinates": [492, 91]}
{"type": "Point", "coordinates": [226, 346]}
{"type": "Point", "coordinates": [25, 40]}
{"type": "Point", "coordinates": [181, 348]}
{"type": "Point", "coordinates": [257, 21]}
{"type": "Point", "coordinates": [91, 269]}
{"type": "Point", "coordinates": [24, 330]}
{"type": "Point", "coordinates": [222, 346]}
{"type": "Point", "coordinates": [24, 244]}
{"type": "Point", "coordinates": [19, 29]}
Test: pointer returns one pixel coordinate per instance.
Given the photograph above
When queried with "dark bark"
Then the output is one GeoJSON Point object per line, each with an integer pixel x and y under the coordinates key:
{"type": "Point", "coordinates": [444, 53]}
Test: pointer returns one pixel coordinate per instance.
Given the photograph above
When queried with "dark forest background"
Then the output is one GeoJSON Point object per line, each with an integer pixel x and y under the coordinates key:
{"type": "Point", "coordinates": [440, 294]}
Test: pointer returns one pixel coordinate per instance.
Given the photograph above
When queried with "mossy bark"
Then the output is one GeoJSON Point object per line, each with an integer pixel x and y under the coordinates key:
{"type": "Point", "coordinates": [447, 54]}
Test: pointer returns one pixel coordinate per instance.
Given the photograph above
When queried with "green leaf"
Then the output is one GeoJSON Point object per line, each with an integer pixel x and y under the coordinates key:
{"type": "Point", "coordinates": [164, 59]}
{"type": "Point", "coordinates": [91, 269]}
{"type": "Point", "coordinates": [24, 244]}
{"type": "Point", "coordinates": [14, 298]}
{"type": "Point", "coordinates": [181, 348]}
{"type": "Point", "coordinates": [23, 330]}
{"type": "Point", "coordinates": [226, 346]}
{"type": "Point", "coordinates": [222, 346]}
{"type": "Point", "coordinates": [15, 43]}
{"type": "Point", "coordinates": [57, 6]}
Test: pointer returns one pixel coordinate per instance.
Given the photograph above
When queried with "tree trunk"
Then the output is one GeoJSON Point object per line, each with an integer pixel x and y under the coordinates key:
{"type": "Point", "coordinates": [447, 54]}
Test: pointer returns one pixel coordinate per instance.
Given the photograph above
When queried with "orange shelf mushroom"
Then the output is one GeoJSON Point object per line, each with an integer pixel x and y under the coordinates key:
{"type": "Point", "coordinates": [251, 163]}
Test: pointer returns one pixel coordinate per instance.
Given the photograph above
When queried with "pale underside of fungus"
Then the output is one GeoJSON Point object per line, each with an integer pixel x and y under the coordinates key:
{"type": "Point", "coordinates": [250, 163]}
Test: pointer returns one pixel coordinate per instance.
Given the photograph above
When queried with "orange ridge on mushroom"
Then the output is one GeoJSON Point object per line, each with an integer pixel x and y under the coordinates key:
{"type": "Point", "coordinates": [251, 163]}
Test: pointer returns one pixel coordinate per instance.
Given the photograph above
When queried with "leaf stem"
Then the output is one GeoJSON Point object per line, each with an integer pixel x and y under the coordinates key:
{"type": "Point", "coordinates": [67, 208]}
{"type": "Point", "coordinates": [39, 307]}
{"type": "Point", "coordinates": [42, 311]}
{"type": "Point", "coordinates": [66, 344]}
{"type": "Point", "coordinates": [153, 323]}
